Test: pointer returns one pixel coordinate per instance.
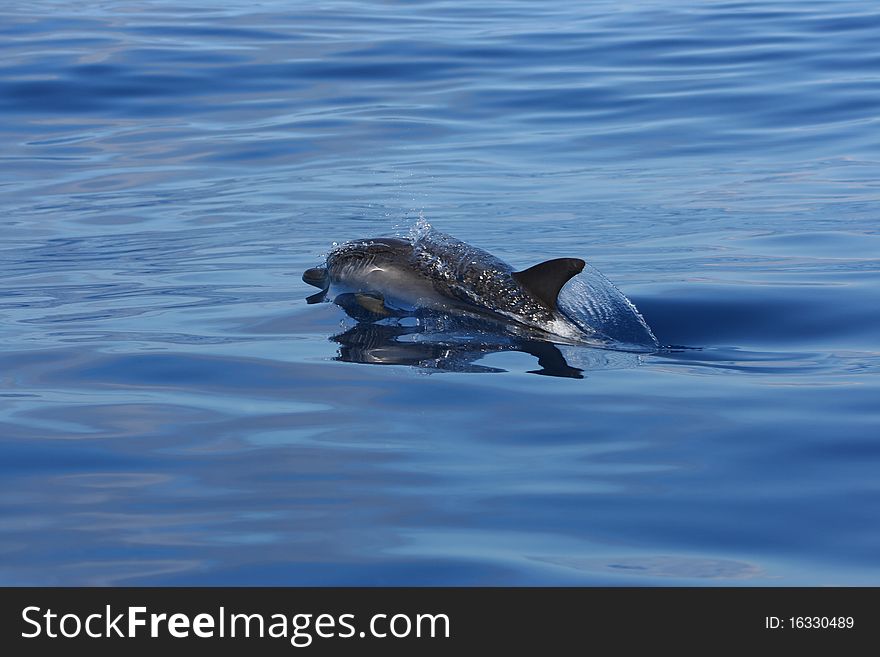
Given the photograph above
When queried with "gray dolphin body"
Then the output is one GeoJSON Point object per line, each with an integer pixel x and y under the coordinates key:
{"type": "Point", "coordinates": [396, 277]}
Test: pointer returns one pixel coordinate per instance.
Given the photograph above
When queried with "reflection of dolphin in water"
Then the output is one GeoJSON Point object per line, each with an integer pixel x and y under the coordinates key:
{"type": "Point", "coordinates": [436, 274]}
{"type": "Point", "coordinates": [382, 344]}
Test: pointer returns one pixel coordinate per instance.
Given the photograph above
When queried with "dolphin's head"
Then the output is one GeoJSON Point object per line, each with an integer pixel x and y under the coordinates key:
{"type": "Point", "coordinates": [352, 262]}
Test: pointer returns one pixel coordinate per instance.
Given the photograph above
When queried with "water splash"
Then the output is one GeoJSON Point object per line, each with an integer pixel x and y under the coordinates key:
{"type": "Point", "coordinates": [598, 308]}
{"type": "Point", "coordinates": [420, 229]}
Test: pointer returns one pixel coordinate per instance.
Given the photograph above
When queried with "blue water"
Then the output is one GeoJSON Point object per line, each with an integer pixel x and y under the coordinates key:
{"type": "Point", "coordinates": [174, 412]}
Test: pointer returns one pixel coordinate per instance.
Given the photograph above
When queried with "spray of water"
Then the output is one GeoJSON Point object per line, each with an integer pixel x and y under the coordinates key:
{"type": "Point", "coordinates": [598, 308]}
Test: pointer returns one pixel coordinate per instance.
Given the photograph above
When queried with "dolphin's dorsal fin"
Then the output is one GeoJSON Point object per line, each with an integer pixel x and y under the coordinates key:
{"type": "Point", "coordinates": [545, 280]}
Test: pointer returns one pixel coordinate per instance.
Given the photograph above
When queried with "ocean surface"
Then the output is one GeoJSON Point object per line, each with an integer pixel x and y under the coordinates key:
{"type": "Point", "coordinates": [172, 411]}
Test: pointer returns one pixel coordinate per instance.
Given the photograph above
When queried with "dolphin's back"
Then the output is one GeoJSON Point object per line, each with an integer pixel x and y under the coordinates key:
{"type": "Point", "coordinates": [475, 277]}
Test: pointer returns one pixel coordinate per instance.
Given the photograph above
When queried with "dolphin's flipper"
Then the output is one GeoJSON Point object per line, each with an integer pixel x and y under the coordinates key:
{"type": "Point", "coordinates": [545, 280]}
{"type": "Point", "coordinates": [366, 306]}
{"type": "Point", "coordinates": [318, 297]}
{"type": "Point", "coordinates": [352, 307]}
{"type": "Point", "coordinates": [375, 303]}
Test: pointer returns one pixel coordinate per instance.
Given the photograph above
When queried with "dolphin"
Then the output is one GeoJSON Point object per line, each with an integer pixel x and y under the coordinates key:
{"type": "Point", "coordinates": [386, 277]}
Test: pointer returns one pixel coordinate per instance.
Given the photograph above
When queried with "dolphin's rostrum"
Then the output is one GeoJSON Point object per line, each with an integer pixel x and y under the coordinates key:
{"type": "Point", "coordinates": [397, 277]}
